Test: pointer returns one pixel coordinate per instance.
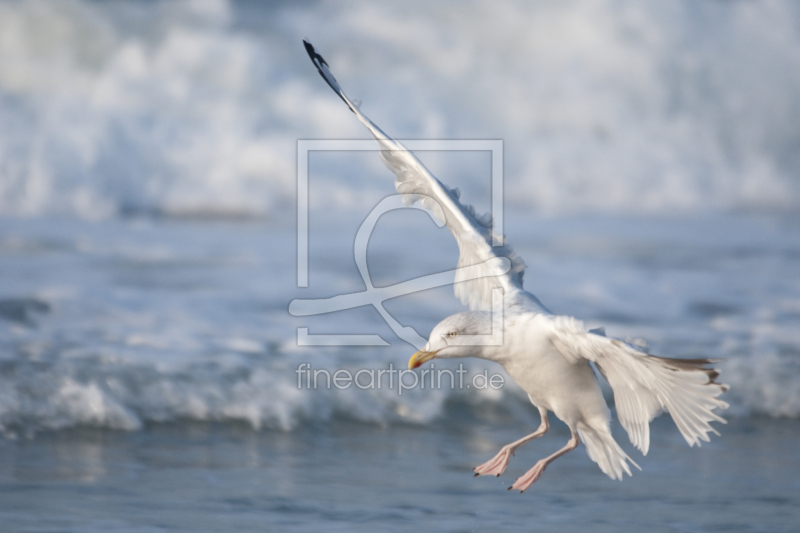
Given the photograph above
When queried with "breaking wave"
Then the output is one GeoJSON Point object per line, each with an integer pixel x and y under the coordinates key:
{"type": "Point", "coordinates": [194, 107]}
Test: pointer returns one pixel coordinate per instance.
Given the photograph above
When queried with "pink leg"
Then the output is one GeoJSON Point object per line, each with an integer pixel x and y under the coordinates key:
{"type": "Point", "coordinates": [497, 464]}
{"type": "Point", "coordinates": [530, 477]}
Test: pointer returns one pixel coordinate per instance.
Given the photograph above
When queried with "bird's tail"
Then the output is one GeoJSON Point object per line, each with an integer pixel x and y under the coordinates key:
{"type": "Point", "coordinates": [604, 450]}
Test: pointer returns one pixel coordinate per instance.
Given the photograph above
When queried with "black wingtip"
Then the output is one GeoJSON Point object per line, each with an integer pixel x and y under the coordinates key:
{"type": "Point", "coordinates": [315, 57]}
{"type": "Point", "coordinates": [310, 49]}
{"type": "Point", "coordinates": [318, 61]}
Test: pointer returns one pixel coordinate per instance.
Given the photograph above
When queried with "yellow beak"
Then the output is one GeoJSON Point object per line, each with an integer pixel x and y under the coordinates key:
{"type": "Point", "coordinates": [420, 358]}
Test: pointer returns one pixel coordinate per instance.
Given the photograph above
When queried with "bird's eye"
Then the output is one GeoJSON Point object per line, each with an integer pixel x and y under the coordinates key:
{"type": "Point", "coordinates": [452, 334]}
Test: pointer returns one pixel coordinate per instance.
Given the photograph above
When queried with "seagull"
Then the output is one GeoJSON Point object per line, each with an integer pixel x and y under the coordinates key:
{"type": "Point", "coordinates": [549, 356]}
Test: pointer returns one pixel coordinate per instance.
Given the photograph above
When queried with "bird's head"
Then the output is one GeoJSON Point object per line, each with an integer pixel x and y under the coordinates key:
{"type": "Point", "coordinates": [455, 336]}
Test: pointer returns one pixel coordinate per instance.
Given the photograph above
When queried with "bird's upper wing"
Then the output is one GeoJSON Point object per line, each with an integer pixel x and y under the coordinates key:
{"type": "Point", "coordinates": [472, 231]}
{"type": "Point", "coordinates": [645, 385]}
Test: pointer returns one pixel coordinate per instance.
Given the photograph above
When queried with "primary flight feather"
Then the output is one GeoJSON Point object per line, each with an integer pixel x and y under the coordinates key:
{"type": "Point", "coordinates": [549, 356]}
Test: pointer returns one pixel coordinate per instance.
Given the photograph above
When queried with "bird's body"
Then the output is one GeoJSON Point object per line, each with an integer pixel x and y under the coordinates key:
{"type": "Point", "coordinates": [550, 357]}
{"type": "Point", "coordinates": [567, 388]}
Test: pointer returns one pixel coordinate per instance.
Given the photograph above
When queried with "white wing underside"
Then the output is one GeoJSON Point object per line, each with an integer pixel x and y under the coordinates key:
{"type": "Point", "coordinates": [645, 385]}
{"type": "Point", "coordinates": [473, 232]}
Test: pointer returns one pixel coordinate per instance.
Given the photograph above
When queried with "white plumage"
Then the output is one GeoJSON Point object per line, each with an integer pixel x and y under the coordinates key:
{"type": "Point", "coordinates": [548, 356]}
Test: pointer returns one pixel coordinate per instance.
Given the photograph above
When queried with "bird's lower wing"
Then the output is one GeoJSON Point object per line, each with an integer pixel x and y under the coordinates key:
{"type": "Point", "coordinates": [645, 385]}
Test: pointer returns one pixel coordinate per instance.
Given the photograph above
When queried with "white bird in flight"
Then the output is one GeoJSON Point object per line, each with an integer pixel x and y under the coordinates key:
{"type": "Point", "coordinates": [548, 356]}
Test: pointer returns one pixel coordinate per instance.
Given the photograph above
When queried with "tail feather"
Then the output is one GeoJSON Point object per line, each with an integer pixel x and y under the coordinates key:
{"type": "Point", "coordinates": [604, 450]}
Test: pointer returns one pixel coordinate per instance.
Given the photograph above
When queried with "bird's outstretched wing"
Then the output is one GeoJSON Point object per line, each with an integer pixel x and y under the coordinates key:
{"type": "Point", "coordinates": [472, 231]}
{"type": "Point", "coordinates": [645, 385]}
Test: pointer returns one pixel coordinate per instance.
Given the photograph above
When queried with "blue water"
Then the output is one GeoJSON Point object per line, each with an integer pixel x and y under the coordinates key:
{"type": "Point", "coordinates": [148, 256]}
{"type": "Point", "coordinates": [351, 477]}
{"type": "Point", "coordinates": [148, 382]}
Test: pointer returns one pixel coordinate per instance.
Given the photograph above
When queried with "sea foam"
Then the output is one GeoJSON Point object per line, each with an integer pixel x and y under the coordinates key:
{"type": "Point", "coordinates": [195, 107]}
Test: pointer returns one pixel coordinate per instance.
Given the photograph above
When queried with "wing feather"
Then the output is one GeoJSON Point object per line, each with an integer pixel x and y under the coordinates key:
{"type": "Point", "coordinates": [473, 232]}
{"type": "Point", "coordinates": [645, 385]}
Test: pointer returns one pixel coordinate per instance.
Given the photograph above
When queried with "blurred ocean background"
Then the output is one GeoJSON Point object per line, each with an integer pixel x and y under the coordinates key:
{"type": "Point", "coordinates": [148, 245]}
